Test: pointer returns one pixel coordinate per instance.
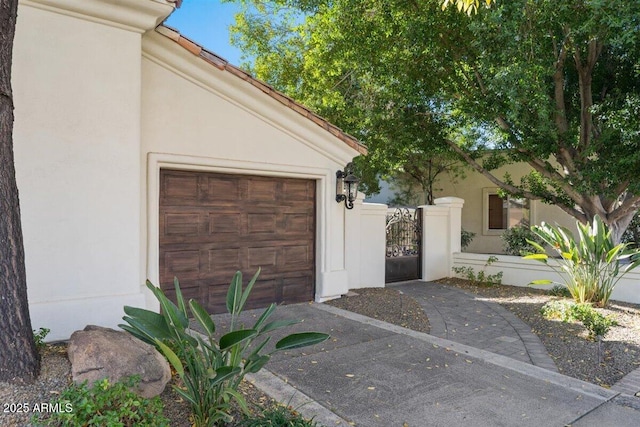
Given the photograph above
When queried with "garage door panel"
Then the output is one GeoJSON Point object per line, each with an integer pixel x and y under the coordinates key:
{"type": "Point", "coordinates": [220, 189]}
{"type": "Point", "coordinates": [298, 190]}
{"type": "Point", "coordinates": [262, 257]}
{"type": "Point", "coordinates": [224, 223]}
{"type": "Point", "coordinates": [221, 261]}
{"type": "Point", "coordinates": [183, 264]}
{"type": "Point", "coordinates": [295, 289]}
{"type": "Point", "coordinates": [297, 223]}
{"type": "Point", "coordinates": [235, 222]}
{"type": "Point", "coordinates": [295, 256]}
{"type": "Point", "coordinates": [180, 187]}
{"type": "Point", "coordinates": [264, 293]}
{"type": "Point", "coordinates": [188, 292]}
{"type": "Point", "coordinates": [262, 223]}
{"type": "Point", "coordinates": [181, 224]}
{"type": "Point", "coordinates": [262, 189]}
{"type": "Point", "coordinates": [216, 297]}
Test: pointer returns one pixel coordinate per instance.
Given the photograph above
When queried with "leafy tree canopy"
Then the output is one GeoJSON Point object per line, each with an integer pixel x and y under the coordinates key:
{"type": "Point", "coordinates": [555, 84]}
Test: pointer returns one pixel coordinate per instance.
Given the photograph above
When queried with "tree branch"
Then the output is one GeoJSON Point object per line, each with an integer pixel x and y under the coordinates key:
{"type": "Point", "coordinates": [512, 188]}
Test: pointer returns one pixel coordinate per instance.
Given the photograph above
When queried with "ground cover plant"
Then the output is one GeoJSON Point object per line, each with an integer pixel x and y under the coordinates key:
{"type": "Point", "coordinates": [103, 404]}
{"type": "Point", "coordinates": [481, 277]}
{"type": "Point", "coordinates": [567, 311]}
{"type": "Point", "coordinates": [278, 416]}
{"type": "Point", "coordinates": [212, 369]}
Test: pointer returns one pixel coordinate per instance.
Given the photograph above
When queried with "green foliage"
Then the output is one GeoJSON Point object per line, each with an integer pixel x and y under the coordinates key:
{"type": "Point", "coordinates": [466, 6]}
{"type": "Point", "coordinates": [466, 237]}
{"type": "Point", "coordinates": [480, 278]}
{"type": "Point", "coordinates": [277, 416]}
{"type": "Point", "coordinates": [553, 84]}
{"type": "Point", "coordinates": [591, 267]}
{"type": "Point", "coordinates": [212, 369]}
{"type": "Point", "coordinates": [516, 240]}
{"type": "Point", "coordinates": [559, 291]}
{"type": "Point", "coordinates": [40, 336]}
{"type": "Point", "coordinates": [566, 311]}
{"type": "Point", "coordinates": [558, 310]}
{"type": "Point", "coordinates": [632, 233]}
{"type": "Point", "coordinates": [103, 404]}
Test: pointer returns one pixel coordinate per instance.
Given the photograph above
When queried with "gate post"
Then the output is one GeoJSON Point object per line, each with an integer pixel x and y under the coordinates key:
{"type": "Point", "coordinates": [365, 244]}
{"type": "Point", "coordinates": [435, 242]}
{"type": "Point", "coordinates": [441, 226]}
{"type": "Point", "coordinates": [455, 221]}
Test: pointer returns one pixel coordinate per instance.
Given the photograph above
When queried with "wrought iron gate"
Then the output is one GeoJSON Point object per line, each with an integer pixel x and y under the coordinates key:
{"type": "Point", "coordinates": [404, 237]}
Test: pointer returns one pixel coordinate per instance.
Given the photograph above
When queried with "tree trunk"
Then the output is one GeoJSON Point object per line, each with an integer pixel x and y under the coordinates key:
{"type": "Point", "coordinates": [19, 358]}
{"type": "Point", "coordinates": [619, 226]}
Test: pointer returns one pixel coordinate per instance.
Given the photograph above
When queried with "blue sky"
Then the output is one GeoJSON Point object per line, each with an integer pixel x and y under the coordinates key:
{"type": "Point", "coordinates": [206, 22]}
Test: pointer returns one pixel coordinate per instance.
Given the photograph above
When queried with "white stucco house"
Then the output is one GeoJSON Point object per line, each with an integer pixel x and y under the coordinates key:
{"type": "Point", "coordinates": [488, 215]}
{"type": "Point", "coordinates": [139, 154]}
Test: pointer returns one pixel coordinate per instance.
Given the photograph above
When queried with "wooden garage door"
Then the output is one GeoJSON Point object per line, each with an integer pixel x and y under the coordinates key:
{"type": "Point", "coordinates": [212, 225]}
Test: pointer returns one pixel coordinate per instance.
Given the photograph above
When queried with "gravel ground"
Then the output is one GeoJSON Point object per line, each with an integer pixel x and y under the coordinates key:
{"type": "Point", "coordinates": [55, 375]}
{"type": "Point", "coordinates": [387, 305]}
{"type": "Point", "coordinates": [567, 344]}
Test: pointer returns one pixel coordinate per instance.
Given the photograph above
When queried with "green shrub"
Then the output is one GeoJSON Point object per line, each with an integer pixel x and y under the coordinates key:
{"type": "Point", "coordinates": [516, 241]}
{"type": "Point", "coordinates": [466, 237]}
{"type": "Point", "coordinates": [591, 267]}
{"type": "Point", "coordinates": [566, 311]}
{"type": "Point", "coordinates": [558, 310]}
{"type": "Point", "coordinates": [277, 416]}
{"type": "Point", "coordinates": [103, 404]}
{"type": "Point", "coordinates": [39, 337]}
{"type": "Point", "coordinates": [481, 277]}
{"type": "Point", "coordinates": [211, 369]}
{"type": "Point", "coordinates": [560, 291]}
{"type": "Point", "coordinates": [597, 324]}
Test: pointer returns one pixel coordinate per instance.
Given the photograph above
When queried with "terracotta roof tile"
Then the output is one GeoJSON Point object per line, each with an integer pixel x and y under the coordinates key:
{"type": "Point", "coordinates": [189, 45]}
{"type": "Point", "coordinates": [214, 60]}
{"type": "Point", "coordinates": [224, 65]}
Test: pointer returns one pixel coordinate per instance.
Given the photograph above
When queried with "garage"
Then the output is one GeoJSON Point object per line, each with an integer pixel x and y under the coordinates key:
{"type": "Point", "coordinates": [213, 224]}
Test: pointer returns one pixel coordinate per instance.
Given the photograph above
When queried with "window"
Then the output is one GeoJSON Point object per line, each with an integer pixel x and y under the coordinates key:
{"type": "Point", "coordinates": [500, 214]}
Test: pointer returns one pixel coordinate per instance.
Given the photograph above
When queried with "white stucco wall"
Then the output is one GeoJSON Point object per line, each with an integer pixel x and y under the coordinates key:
{"type": "Point", "coordinates": [102, 103]}
{"type": "Point", "coordinates": [520, 272]}
{"type": "Point", "coordinates": [76, 82]}
{"type": "Point", "coordinates": [200, 118]}
{"type": "Point", "coordinates": [471, 190]}
{"type": "Point", "coordinates": [365, 244]}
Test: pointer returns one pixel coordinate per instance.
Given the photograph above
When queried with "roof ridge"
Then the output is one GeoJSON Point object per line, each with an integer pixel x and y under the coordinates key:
{"type": "Point", "coordinates": [224, 65]}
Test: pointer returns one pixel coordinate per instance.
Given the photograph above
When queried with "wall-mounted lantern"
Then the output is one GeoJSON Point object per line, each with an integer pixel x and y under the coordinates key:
{"type": "Point", "coordinates": [346, 186]}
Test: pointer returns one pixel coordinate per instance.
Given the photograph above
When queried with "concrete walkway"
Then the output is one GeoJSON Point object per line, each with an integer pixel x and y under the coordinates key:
{"type": "Point", "coordinates": [371, 373]}
{"type": "Point", "coordinates": [461, 317]}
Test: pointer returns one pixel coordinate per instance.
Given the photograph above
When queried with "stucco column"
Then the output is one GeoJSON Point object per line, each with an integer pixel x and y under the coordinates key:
{"type": "Point", "coordinates": [435, 242]}
{"type": "Point", "coordinates": [455, 220]}
{"type": "Point", "coordinates": [373, 239]}
{"type": "Point", "coordinates": [441, 227]}
{"type": "Point", "coordinates": [353, 235]}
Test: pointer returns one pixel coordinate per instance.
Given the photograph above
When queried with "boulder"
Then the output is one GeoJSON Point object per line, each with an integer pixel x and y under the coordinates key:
{"type": "Point", "coordinates": [96, 353]}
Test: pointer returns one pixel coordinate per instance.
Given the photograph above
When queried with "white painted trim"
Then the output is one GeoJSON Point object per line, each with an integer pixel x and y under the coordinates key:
{"type": "Point", "coordinates": [167, 54]}
{"type": "Point", "coordinates": [132, 15]}
{"type": "Point", "coordinates": [156, 161]}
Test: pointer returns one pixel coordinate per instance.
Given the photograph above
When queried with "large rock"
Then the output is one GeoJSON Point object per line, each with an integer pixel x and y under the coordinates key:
{"type": "Point", "coordinates": [96, 353]}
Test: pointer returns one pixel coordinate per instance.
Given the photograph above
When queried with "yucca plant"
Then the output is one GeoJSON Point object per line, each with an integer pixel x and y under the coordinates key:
{"type": "Point", "coordinates": [211, 369]}
{"type": "Point", "coordinates": [593, 266]}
